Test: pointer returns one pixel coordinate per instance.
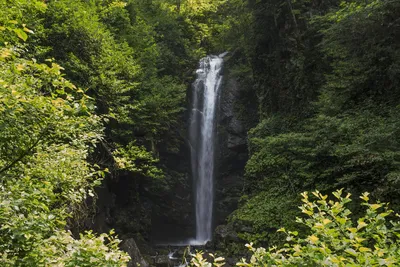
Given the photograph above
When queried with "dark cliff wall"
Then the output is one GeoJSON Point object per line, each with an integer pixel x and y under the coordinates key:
{"type": "Point", "coordinates": [235, 118]}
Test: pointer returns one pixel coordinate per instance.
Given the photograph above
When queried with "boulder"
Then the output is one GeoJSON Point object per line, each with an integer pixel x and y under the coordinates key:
{"type": "Point", "coordinates": [129, 246]}
{"type": "Point", "coordinates": [226, 233]}
{"type": "Point", "coordinates": [163, 261]}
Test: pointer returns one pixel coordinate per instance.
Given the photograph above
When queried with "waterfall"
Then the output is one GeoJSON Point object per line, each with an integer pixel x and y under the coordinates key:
{"type": "Point", "coordinates": [202, 139]}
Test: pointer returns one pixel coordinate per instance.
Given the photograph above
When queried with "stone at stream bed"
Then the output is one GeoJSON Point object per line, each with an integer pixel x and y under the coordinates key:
{"type": "Point", "coordinates": [129, 246]}
{"type": "Point", "coordinates": [163, 261]}
{"type": "Point", "coordinates": [226, 233]}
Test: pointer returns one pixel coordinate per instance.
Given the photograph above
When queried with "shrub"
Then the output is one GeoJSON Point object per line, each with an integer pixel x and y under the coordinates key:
{"type": "Point", "coordinates": [334, 238]}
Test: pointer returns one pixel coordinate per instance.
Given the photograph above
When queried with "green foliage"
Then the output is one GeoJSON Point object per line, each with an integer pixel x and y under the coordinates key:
{"type": "Point", "coordinates": [89, 250]}
{"type": "Point", "coordinates": [326, 77]}
{"type": "Point", "coordinates": [135, 58]}
{"type": "Point", "coordinates": [259, 218]}
{"type": "Point", "coordinates": [358, 151]}
{"type": "Point", "coordinates": [48, 129]}
{"type": "Point", "coordinates": [199, 260]}
{"type": "Point", "coordinates": [361, 40]}
{"type": "Point", "coordinates": [143, 161]}
{"type": "Point", "coordinates": [111, 105]}
{"type": "Point", "coordinates": [333, 237]}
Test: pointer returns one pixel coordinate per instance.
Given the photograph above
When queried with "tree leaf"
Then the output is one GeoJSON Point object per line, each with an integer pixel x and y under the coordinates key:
{"type": "Point", "coordinates": [21, 34]}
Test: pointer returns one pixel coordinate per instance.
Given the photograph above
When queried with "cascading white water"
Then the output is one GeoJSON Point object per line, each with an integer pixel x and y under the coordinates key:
{"type": "Point", "coordinates": [202, 139]}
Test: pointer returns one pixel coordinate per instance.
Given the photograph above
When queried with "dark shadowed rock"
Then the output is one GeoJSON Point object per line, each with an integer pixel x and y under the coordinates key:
{"type": "Point", "coordinates": [232, 149]}
{"type": "Point", "coordinates": [129, 246]}
{"type": "Point", "coordinates": [226, 232]}
{"type": "Point", "coordinates": [163, 261]}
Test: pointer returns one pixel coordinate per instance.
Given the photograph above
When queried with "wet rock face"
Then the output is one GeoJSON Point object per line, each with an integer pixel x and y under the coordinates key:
{"type": "Point", "coordinates": [129, 246]}
{"type": "Point", "coordinates": [230, 119]}
{"type": "Point", "coordinates": [231, 149]}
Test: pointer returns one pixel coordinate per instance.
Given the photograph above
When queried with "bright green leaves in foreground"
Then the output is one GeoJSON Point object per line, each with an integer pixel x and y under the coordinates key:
{"type": "Point", "coordinates": [334, 238]}
{"type": "Point", "coordinates": [47, 129]}
{"type": "Point", "coordinates": [89, 250]}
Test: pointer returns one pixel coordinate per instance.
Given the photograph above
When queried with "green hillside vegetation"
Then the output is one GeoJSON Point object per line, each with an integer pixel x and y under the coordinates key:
{"type": "Point", "coordinates": [326, 76]}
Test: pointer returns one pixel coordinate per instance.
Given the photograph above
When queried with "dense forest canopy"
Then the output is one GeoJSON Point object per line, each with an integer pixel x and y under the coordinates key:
{"type": "Point", "coordinates": [94, 89]}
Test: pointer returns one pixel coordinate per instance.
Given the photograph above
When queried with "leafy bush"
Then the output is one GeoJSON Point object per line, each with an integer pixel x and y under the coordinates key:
{"type": "Point", "coordinates": [334, 237]}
